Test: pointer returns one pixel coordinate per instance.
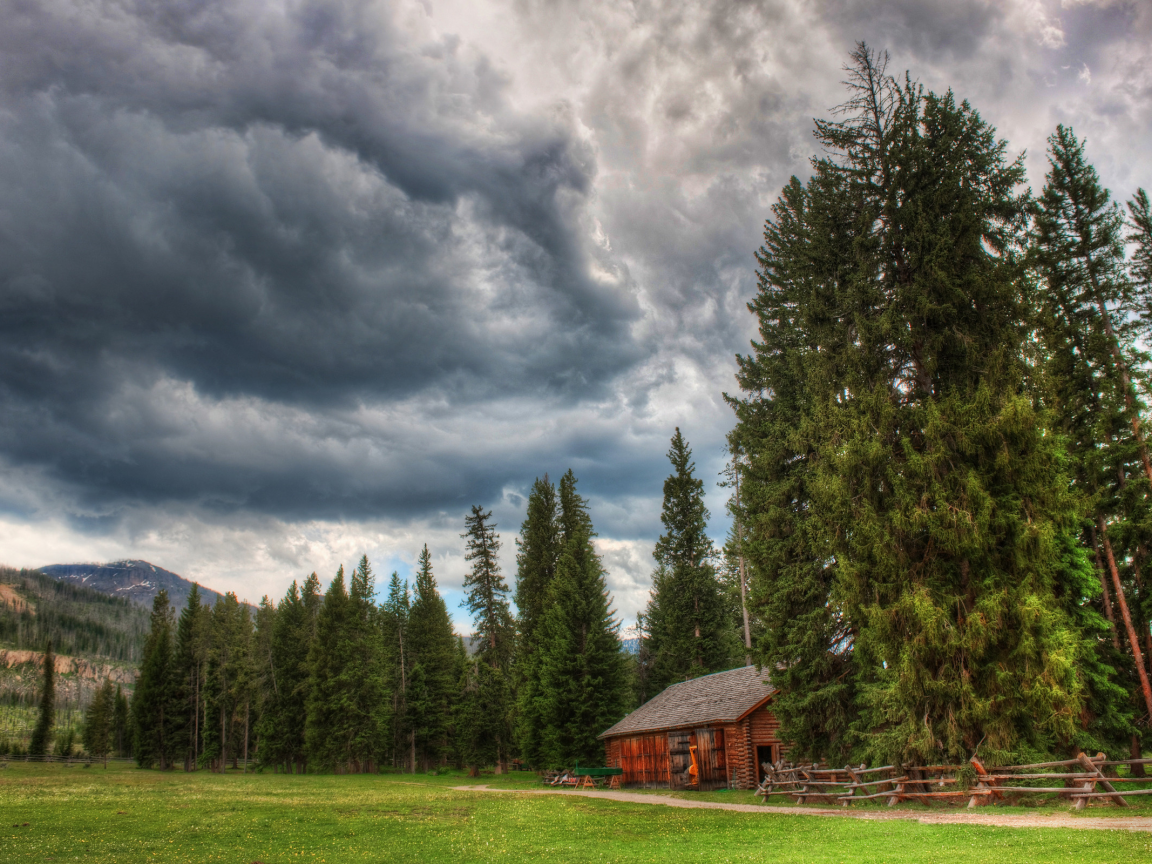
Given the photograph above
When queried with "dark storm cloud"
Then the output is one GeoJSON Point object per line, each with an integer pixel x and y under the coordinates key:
{"type": "Point", "coordinates": [917, 27]}
{"type": "Point", "coordinates": [319, 261]}
{"type": "Point", "coordinates": [308, 207]}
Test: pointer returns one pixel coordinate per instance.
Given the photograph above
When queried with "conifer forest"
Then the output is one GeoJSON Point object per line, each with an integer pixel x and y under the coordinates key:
{"type": "Point", "coordinates": [940, 499]}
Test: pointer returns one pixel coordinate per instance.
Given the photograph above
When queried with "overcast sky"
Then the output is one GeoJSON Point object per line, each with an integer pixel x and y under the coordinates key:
{"type": "Point", "coordinates": [282, 283]}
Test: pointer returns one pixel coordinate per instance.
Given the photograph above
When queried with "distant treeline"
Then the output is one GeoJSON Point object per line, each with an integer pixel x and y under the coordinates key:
{"type": "Point", "coordinates": [338, 681]}
{"type": "Point", "coordinates": [78, 620]}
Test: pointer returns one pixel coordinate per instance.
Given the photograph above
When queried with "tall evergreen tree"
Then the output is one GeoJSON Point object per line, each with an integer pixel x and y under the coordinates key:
{"type": "Point", "coordinates": [1140, 267]}
{"type": "Point", "coordinates": [394, 629]}
{"type": "Point", "coordinates": [155, 699]}
{"type": "Point", "coordinates": [489, 728]}
{"type": "Point", "coordinates": [539, 547]}
{"type": "Point", "coordinates": [46, 720]}
{"type": "Point", "coordinates": [99, 720]}
{"type": "Point", "coordinates": [915, 516]}
{"type": "Point", "coordinates": [688, 631]}
{"type": "Point", "coordinates": [433, 651]}
{"type": "Point", "coordinates": [325, 664]}
{"type": "Point", "coordinates": [281, 726]}
{"type": "Point", "coordinates": [188, 669]}
{"type": "Point", "coordinates": [228, 682]}
{"type": "Point", "coordinates": [583, 682]}
{"type": "Point", "coordinates": [348, 706]}
{"type": "Point", "coordinates": [1089, 349]}
{"type": "Point", "coordinates": [487, 592]}
{"type": "Point", "coordinates": [366, 718]}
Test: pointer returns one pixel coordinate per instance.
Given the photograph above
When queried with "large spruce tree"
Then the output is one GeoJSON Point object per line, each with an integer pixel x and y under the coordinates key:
{"type": "Point", "coordinates": [99, 721]}
{"type": "Point", "coordinates": [281, 726]}
{"type": "Point", "coordinates": [689, 632]}
{"type": "Point", "coordinates": [486, 717]}
{"type": "Point", "coordinates": [325, 691]}
{"type": "Point", "coordinates": [582, 677]}
{"type": "Point", "coordinates": [366, 717]}
{"type": "Point", "coordinates": [229, 682]}
{"type": "Point", "coordinates": [348, 709]}
{"type": "Point", "coordinates": [911, 519]}
{"type": "Point", "coordinates": [394, 629]}
{"type": "Point", "coordinates": [189, 667]}
{"type": "Point", "coordinates": [156, 697]}
{"type": "Point", "coordinates": [1088, 324]}
{"type": "Point", "coordinates": [433, 647]}
{"type": "Point", "coordinates": [538, 548]}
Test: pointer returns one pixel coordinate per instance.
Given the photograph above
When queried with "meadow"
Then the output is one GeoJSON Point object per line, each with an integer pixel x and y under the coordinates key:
{"type": "Point", "coordinates": [122, 814]}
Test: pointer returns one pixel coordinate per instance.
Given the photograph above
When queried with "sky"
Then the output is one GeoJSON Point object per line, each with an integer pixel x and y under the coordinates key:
{"type": "Point", "coordinates": [285, 282]}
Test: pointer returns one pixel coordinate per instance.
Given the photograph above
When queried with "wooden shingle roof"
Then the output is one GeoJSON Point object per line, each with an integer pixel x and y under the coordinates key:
{"type": "Point", "coordinates": [719, 698]}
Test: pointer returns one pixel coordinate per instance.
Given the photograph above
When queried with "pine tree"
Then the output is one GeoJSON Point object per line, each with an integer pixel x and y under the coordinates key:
{"type": "Point", "coordinates": [1140, 268]}
{"type": "Point", "coordinates": [325, 664]}
{"type": "Point", "coordinates": [394, 629]}
{"type": "Point", "coordinates": [265, 686]}
{"type": "Point", "coordinates": [487, 600]}
{"type": "Point", "coordinates": [98, 722]}
{"type": "Point", "coordinates": [582, 685]}
{"type": "Point", "coordinates": [281, 725]}
{"type": "Point", "coordinates": [911, 518]}
{"type": "Point", "coordinates": [365, 718]}
{"type": "Point", "coordinates": [188, 672]}
{"type": "Point", "coordinates": [432, 649]}
{"type": "Point", "coordinates": [538, 549]}
{"type": "Point", "coordinates": [688, 632]}
{"type": "Point", "coordinates": [459, 730]}
{"type": "Point", "coordinates": [155, 699]}
{"type": "Point", "coordinates": [1090, 347]}
{"type": "Point", "coordinates": [46, 720]}
{"type": "Point", "coordinates": [487, 597]}
{"type": "Point", "coordinates": [228, 682]}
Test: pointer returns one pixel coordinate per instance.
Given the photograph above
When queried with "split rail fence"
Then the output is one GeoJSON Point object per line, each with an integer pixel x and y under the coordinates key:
{"type": "Point", "coordinates": [1082, 779]}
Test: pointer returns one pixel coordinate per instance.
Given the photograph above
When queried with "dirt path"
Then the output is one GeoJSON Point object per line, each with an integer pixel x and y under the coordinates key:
{"type": "Point", "coordinates": [952, 817]}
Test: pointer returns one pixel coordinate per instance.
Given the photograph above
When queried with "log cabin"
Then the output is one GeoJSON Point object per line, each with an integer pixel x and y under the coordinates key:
{"type": "Point", "coordinates": [725, 716]}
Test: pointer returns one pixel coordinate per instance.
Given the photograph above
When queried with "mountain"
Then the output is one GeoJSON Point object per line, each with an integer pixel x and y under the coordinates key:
{"type": "Point", "coordinates": [137, 581]}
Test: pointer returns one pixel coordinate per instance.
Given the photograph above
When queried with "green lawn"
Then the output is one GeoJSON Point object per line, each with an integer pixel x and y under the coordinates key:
{"type": "Point", "coordinates": [127, 815]}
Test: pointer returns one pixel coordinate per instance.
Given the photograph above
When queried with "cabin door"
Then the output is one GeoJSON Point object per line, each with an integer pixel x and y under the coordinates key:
{"type": "Point", "coordinates": [710, 759]}
{"type": "Point", "coordinates": [679, 758]}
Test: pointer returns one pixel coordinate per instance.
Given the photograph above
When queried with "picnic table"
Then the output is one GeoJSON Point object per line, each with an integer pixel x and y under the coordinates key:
{"type": "Point", "coordinates": [586, 778]}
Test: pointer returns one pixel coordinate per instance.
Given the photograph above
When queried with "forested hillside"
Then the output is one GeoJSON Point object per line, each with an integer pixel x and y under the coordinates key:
{"type": "Point", "coordinates": [80, 621]}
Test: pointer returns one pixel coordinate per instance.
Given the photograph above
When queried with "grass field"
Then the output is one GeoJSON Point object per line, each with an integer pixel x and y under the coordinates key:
{"type": "Point", "coordinates": [127, 815]}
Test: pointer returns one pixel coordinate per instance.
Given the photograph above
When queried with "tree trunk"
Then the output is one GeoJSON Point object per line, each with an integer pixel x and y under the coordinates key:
{"type": "Point", "coordinates": [1132, 638]}
{"type": "Point", "coordinates": [196, 721]}
{"type": "Point", "coordinates": [743, 572]}
{"type": "Point", "coordinates": [1104, 585]}
{"type": "Point", "coordinates": [1138, 767]}
{"type": "Point", "coordinates": [223, 742]}
{"type": "Point", "coordinates": [246, 714]}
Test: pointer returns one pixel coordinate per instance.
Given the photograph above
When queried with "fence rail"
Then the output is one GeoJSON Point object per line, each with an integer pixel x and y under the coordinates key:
{"type": "Point", "coordinates": [67, 760]}
{"type": "Point", "coordinates": [974, 782]}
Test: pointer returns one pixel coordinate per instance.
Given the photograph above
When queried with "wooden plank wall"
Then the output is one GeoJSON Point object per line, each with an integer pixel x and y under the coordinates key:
{"type": "Point", "coordinates": [644, 759]}
{"type": "Point", "coordinates": [661, 759]}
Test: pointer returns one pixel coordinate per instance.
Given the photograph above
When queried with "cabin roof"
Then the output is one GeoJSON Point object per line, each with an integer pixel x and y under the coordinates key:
{"type": "Point", "coordinates": [722, 697]}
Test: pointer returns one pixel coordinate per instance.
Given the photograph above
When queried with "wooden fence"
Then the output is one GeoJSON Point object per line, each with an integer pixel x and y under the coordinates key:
{"type": "Point", "coordinates": [1082, 779]}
